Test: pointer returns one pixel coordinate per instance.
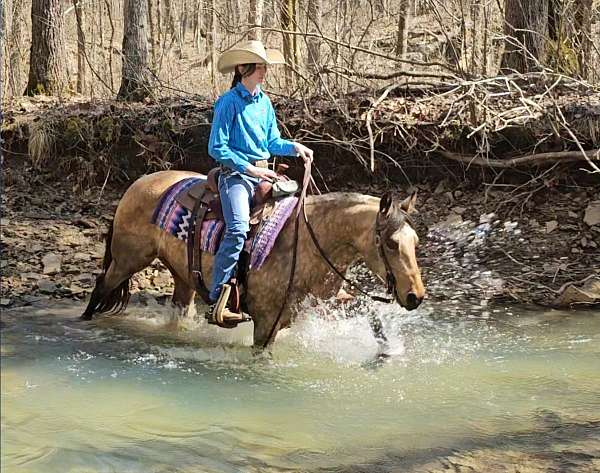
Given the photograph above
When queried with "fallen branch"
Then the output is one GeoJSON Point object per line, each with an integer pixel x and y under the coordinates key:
{"type": "Point", "coordinates": [538, 159]}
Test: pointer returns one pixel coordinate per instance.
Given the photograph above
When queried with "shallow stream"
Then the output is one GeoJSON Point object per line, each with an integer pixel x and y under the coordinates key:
{"type": "Point", "coordinates": [132, 394]}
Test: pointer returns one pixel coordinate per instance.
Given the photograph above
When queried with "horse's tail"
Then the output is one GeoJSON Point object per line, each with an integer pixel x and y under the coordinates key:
{"type": "Point", "coordinates": [104, 298]}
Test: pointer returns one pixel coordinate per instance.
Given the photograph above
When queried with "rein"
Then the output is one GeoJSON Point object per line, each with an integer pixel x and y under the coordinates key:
{"type": "Point", "coordinates": [390, 278]}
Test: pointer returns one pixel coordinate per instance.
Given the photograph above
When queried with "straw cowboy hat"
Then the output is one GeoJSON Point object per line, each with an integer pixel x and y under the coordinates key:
{"type": "Point", "coordinates": [250, 52]}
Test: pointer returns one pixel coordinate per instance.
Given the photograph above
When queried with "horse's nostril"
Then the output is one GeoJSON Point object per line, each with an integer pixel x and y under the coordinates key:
{"type": "Point", "coordinates": [412, 301]}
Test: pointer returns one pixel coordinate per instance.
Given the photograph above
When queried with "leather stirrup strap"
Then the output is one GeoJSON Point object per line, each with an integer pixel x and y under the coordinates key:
{"type": "Point", "coordinates": [195, 254]}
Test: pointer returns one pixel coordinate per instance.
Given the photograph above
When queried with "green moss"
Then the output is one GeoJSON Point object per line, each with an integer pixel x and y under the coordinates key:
{"type": "Point", "coordinates": [74, 131]}
{"type": "Point", "coordinates": [107, 130]}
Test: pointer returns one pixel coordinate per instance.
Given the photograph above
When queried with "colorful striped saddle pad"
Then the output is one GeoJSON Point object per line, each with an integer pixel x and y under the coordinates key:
{"type": "Point", "coordinates": [174, 219]}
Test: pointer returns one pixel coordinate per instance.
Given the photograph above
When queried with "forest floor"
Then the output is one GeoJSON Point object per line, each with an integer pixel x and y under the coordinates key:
{"type": "Point", "coordinates": [487, 245]}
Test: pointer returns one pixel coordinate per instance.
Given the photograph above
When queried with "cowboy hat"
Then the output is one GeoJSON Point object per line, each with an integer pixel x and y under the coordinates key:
{"type": "Point", "coordinates": [250, 52]}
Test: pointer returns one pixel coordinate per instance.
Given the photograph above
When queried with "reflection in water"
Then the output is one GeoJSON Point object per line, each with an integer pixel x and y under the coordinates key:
{"type": "Point", "coordinates": [133, 394]}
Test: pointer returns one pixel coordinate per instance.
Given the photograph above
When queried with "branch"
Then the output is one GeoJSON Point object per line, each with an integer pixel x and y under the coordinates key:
{"type": "Point", "coordinates": [531, 160]}
{"type": "Point", "coordinates": [363, 75]}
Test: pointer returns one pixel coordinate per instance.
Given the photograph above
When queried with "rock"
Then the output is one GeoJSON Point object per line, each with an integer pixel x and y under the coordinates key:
{"type": "Point", "coordinates": [584, 242]}
{"type": "Point", "coordinates": [51, 263]}
{"type": "Point", "coordinates": [551, 226]}
{"type": "Point", "coordinates": [84, 278]}
{"type": "Point", "coordinates": [81, 257]}
{"type": "Point", "coordinates": [441, 187]}
{"type": "Point", "coordinates": [487, 217]}
{"type": "Point", "coordinates": [573, 214]}
{"type": "Point", "coordinates": [75, 289]}
{"type": "Point", "coordinates": [4, 302]}
{"type": "Point", "coordinates": [31, 299]}
{"type": "Point", "coordinates": [592, 213]}
{"type": "Point", "coordinates": [36, 248]}
{"type": "Point", "coordinates": [35, 276]}
{"type": "Point", "coordinates": [588, 293]}
{"type": "Point", "coordinates": [459, 210]}
{"type": "Point", "coordinates": [46, 286]}
{"type": "Point", "coordinates": [85, 223]}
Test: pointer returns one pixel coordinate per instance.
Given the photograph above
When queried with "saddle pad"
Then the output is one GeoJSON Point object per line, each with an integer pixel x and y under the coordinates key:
{"type": "Point", "coordinates": [174, 219]}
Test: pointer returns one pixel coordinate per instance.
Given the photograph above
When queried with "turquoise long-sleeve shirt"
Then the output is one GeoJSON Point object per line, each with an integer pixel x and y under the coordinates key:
{"type": "Point", "coordinates": [244, 130]}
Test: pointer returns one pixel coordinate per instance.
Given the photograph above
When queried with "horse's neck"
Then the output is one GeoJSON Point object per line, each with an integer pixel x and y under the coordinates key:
{"type": "Point", "coordinates": [344, 225]}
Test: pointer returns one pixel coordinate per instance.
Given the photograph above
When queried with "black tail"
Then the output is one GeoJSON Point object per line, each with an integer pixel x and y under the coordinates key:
{"type": "Point", "coordinates": [101, 300]}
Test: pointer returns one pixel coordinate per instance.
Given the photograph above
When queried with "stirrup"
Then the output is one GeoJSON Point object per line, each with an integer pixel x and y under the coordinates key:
{"type": "Point", "coordinates": [221, 315]}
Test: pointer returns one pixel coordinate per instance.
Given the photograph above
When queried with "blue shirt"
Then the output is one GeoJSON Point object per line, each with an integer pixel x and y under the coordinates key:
{"type": "Point", "coordinates": [244, 130]}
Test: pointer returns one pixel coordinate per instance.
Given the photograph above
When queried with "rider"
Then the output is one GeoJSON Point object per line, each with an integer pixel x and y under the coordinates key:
{"type": "Point", "coordinates": [244, 134]}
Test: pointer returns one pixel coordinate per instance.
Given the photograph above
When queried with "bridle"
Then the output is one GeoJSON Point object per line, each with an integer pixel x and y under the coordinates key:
{"type": "Point", "coordinates": [390, 279]}
{"type": "Point", "coordinates": [379, 228]}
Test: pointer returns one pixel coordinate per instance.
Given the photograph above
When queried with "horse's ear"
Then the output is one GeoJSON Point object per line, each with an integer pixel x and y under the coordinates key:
{"type": "Point", "coordinates": [408, 204]}
{"type": "Point", "coordinates": [385, 204]}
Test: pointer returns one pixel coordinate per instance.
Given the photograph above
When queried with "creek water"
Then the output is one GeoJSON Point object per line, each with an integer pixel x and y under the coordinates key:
{"type": "Point", "coordinates": [133, 394]}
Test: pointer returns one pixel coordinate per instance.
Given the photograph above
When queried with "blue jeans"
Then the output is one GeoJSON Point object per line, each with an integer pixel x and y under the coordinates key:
{"type": "Point", "coordinates": [236, 191]}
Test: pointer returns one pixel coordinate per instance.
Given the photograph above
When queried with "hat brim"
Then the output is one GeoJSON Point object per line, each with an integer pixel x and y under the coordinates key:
{"type": "Point", "coordinates": [234, 57]}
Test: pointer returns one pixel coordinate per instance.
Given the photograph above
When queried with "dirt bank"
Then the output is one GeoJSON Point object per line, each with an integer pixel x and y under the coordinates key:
{"type": "Point", "coordinates": [480, 245]}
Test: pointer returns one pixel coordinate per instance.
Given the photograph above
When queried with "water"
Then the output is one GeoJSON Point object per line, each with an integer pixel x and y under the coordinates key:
{"type": "Point", "coordinates": [133, 394]}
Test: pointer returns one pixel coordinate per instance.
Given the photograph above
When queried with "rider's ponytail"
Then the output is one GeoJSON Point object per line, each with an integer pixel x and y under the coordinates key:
{"type": "Point", "coordinates": [241, 71]}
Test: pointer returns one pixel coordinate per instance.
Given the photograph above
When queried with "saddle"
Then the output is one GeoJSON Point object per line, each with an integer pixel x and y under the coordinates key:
{"type": "Point", "coordinates": [204, 202]}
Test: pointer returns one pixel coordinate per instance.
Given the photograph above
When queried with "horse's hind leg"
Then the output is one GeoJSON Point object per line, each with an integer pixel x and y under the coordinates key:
{"type": "Point", "coordinates": [183, 295]}
{"type": "Point", "coordinates": [111, 293]}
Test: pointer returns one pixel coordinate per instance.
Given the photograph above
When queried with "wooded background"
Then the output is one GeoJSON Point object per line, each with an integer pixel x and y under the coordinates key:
{"type": "Point", "coordinates": [133, 49]}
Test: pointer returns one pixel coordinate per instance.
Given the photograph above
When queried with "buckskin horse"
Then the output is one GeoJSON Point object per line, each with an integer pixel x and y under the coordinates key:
{"type": "Point", "coordinates": [343, 228]}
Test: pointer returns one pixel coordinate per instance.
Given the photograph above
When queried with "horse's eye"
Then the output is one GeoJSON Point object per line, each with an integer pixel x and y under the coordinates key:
{"type": "Point", "coordinates": [390, 243]}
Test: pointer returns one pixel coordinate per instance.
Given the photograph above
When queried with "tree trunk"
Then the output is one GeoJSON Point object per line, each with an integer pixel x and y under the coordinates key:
{"type": "Point", "coordinates": [255, 11]}
{"type": "Point", "coordinates": [315, 10]}
{"type": "Point", "coordinates": [15, 46]}
{"type": "Point", "coordinates": [288, 22]}
{"type": "Point", "coordinates": [135, 79]}
{"type": "Point", "coordinates": [47, 64]}
{"type": "Point", "coordinates": [526, 30]}
{"type": "Point", "coordinates": [583, 35]}
{"type": "Point", "coordinates": [81, 66]}
{"type": "Point", "coordinates": [402, 34]}
{"type": "Point", "coordinates": [211, 38]}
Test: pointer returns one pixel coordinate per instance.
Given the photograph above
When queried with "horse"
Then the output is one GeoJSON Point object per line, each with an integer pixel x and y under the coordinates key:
{"type": "Point", "coordinates": [344, 228]}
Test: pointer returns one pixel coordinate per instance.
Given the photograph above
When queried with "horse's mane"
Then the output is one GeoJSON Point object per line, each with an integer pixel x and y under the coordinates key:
{"type": "Point", "coordinates": [352, 198]}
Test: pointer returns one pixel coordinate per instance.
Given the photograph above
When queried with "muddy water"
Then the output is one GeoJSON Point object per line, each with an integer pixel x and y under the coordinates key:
{"type": "Point", "coordinates": [133, 394]}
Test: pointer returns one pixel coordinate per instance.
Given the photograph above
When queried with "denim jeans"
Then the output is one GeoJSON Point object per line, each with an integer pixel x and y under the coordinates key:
{"type": "Point", "coordinates": [236, 191]}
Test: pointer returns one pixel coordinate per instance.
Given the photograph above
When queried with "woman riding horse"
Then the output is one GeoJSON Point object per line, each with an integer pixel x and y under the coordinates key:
{"type": "Point", "coordinates": [243, 136]}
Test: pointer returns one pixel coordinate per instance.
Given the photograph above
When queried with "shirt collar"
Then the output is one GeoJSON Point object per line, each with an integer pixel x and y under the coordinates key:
{"type": "Point", "coordinates": [245, 94]}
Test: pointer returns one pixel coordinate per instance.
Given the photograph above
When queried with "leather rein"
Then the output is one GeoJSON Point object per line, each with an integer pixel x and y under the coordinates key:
{"type": "Point", "coordinates": [379, 227]}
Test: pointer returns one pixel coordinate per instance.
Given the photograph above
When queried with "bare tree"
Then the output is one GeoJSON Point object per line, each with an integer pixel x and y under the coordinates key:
{"type": "Point", "coordinates": [135, 78]}
{"type": "Point", "coordinates": [583, 35]}
{"type": "Point", "coordinates": [47, 61]}
{"type": "Point", "coordinates": [212, 40]}
{"type": "Point", "coordinates": [255, 11]}
{"type": "Point", "coordinates": [403, 22]}
{"type": "Point", "coordinates": [288, 23]}
{"type": "Point", "coordinates": [314, 11]}
{"type": "Point", "coordinates": [81, 66]}
{"type": "Point", "coordinates": [526, 30]}
{"type": "Point", "coordinates": [15, 44]}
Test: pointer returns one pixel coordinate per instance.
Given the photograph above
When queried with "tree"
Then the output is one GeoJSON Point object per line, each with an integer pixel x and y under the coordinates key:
{"type": "Point", "coordinates": [402, 33]}
{"type": "Point", "coordinates": [288, 23]}
{"type": "Point", "coordinates": [314, 11]}
{"type": "Point", "coordinates": [526, 30]}
{"type": "Point", "coordinates": [81, 66]}
{"type": "Point", "coordinates": [583, 35]}
{"type": "Point", "coordinates": [255, 11]}
{"type": "Point", "coordinates": [47, 63]}
{"type": "Point", "coordinates": [135, 78]}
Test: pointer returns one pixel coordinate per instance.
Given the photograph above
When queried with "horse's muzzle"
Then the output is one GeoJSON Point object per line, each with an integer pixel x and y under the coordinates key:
{"type": "Point", "coordinates": [412, 301]}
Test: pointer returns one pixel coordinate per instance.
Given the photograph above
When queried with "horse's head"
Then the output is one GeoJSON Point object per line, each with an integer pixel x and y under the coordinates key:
{"type": "Point", "coordinates": [396, 242]}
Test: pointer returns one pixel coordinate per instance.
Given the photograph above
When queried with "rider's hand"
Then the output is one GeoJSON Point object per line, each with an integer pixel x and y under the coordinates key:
{"type": "Point", "coordinates": [304, 152]}
{"type": "Point", "coordinates": [262, 173]}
